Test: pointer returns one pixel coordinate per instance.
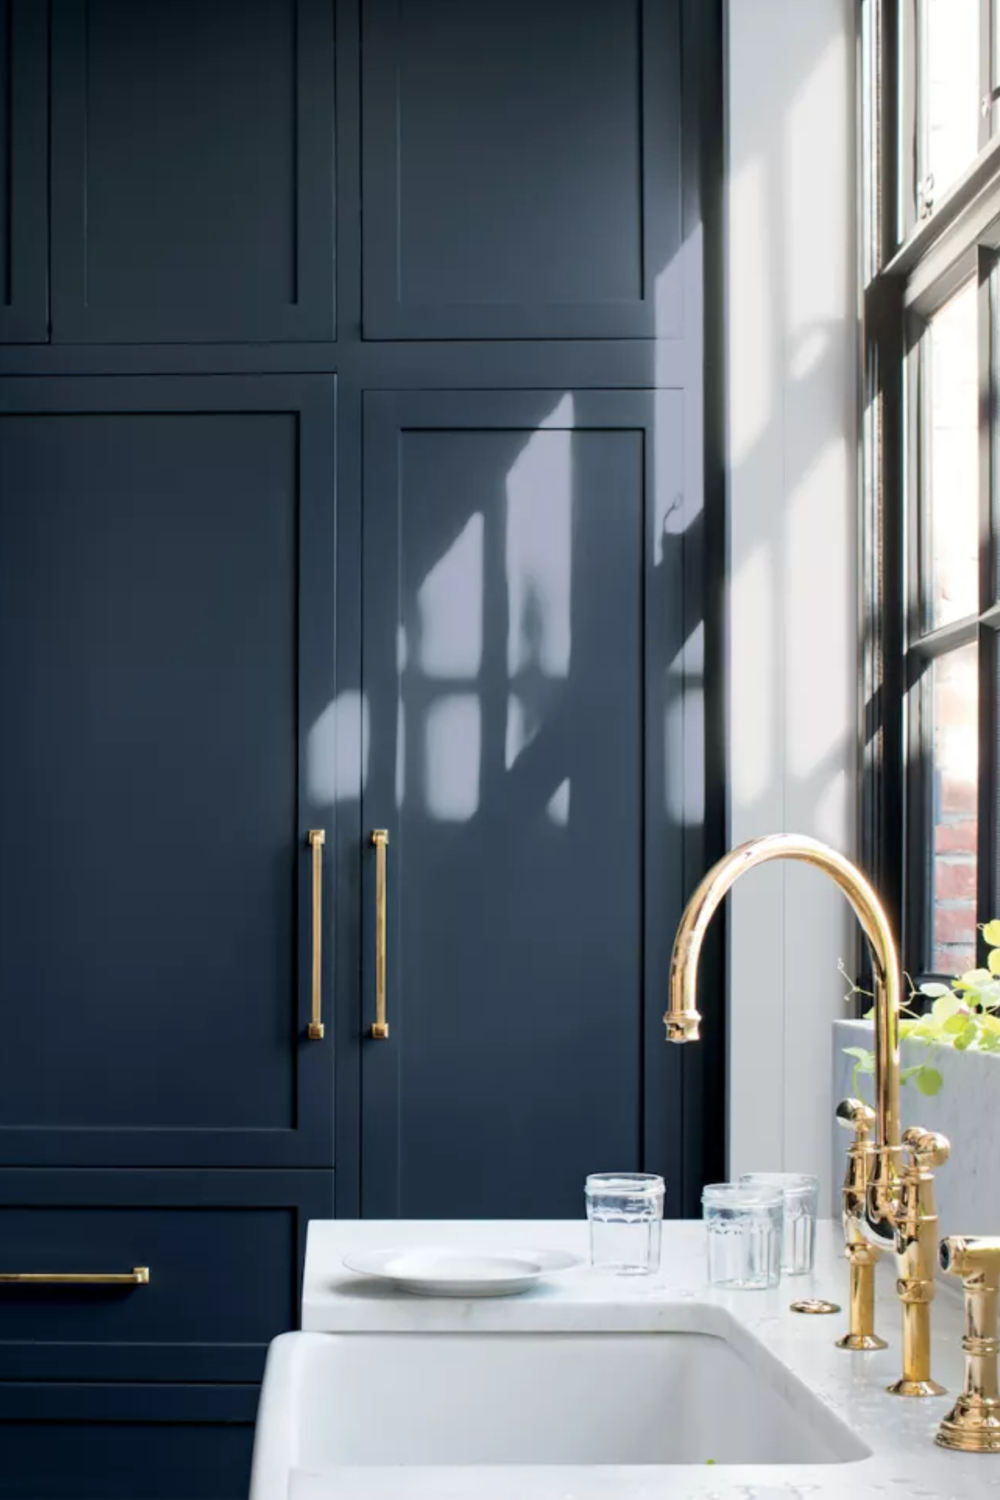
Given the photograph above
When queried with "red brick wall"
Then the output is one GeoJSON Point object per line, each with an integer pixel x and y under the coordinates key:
{"type": "Point", "coordinates": [954, 890]}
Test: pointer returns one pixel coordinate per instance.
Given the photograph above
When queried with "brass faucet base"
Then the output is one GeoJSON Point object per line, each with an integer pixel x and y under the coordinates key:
{"type": "Point", "coordinates": [972, 1426]}
{"type": "Point", "coordinates": [862, 1342]}
{"type": "Point", "coordinates": [916, 1388]}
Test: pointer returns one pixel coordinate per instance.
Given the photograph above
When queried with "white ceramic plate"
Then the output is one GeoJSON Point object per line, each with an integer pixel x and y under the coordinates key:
{"type": "Point", "coordinates": [459, 1270]}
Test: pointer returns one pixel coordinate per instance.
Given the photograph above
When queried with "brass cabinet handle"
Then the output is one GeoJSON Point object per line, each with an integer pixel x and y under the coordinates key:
{"type": "Point", "coordinates": [317, 838]}
{"type": "Point", "coordinates": [138, 1277]}
{"type": "Point", "coordinates": [380, 1027]}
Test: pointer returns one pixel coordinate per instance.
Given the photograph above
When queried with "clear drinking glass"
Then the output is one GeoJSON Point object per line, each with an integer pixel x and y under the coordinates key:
{"type": "Point", "coordinates": [743, 1231]}
{"type": "Point", "coordinates": [801, 1199]}
{"type": "Point", "coordinates": [625, 1210]}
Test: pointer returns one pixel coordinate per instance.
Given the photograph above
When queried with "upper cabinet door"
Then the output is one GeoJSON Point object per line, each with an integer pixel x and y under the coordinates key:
{"type": "Point", "coordinates": [192, 170]}
{"type": "Point", "coordinates": [521, 169]}
{"type": "Point", "coordinates": [166, 655]}
{"type": "Point", "coordinates": [24, 250]}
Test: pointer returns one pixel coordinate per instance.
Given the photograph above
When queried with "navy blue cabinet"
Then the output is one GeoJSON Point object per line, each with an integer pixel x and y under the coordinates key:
{"type": "Point", "coordinates": [523, 609]}
{"type": "Point", "coordinates": [24, 201]}
{"type": "Point", "coordinates": [192, 170]}
{"type": "Point", "coordinates": [356, 381]}
{"type": "Point", "coordinates": [166, 647]}
{"type": "Point", "coordinates": [125, 1442]}
{"type": "Point", "coordinates": [224, 1254]}
{"type": "Point", "coordinates": [522, 169]}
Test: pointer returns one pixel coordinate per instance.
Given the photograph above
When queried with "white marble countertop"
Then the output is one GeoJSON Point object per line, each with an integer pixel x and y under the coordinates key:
{"type": "Point", "coordinates": [791, 1351]}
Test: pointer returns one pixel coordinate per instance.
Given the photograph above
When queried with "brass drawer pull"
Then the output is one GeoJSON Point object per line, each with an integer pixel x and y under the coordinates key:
{"type": "Point", "coordinates": [317, 838]}
{"type": "Point", "coordinates": [380, 1026]}
{"type": "Point", "coordinates": [138, 1277]}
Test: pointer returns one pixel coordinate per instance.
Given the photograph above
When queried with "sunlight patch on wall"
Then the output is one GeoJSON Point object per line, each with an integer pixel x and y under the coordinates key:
{"type": "Point", "coordinates": [337, 750]}
{"type": "Point", "coordinates": [818, 209]}
{"type": "Point", "coordinates": [690, 659]}
{"type": "Point", "coordinates": [807, 354]}
{"type": "Point", "coordinates": [753, 325]}
{"type": "Point", "coordinates": [450, 606]}
{"type": "Point", "coordinates": [519, 732]}
{"type": "Point", "coordinates": [830, 809]}
{"type": "Point", "coordinates": [539, 547]}
{"type": "Point", "coordinates": [400, 753]}
{"type": "Point", "coordinates": [755, 665]}
{"type": "Point", "coordinates": [684, 753]}
{"type": "Point", "coordinates": [557, 806]}
{"type": "Point", "coordinates": [820, 674]}
{"type": "Point", "coordinates": [454, 735]}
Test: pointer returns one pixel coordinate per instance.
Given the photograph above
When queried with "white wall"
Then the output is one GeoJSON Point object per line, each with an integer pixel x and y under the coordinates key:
{"type": "Point", "coordinates": [792, 629]}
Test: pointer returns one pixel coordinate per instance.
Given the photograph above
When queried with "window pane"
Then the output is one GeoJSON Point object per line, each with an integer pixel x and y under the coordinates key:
{"type": "Point", "coordinates": [949, 93]}
{"type": "Point", "coordinates": [954, 789]}
{"type": "Point", "coordinates": [950, 502]}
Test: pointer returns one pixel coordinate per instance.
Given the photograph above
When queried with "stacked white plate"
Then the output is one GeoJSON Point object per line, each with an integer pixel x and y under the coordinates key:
{"type": "Point", "coordinates": [459, 1270]}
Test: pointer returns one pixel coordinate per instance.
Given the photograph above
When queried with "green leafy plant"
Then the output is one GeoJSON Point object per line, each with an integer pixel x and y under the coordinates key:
{"type": "Point", "coordinates": [962, 1015]}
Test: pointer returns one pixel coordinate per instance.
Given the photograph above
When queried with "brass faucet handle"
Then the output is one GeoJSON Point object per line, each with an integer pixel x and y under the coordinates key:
{"type": "Point", "coordinates": [973, 1424]}
{"type": "Point", "coordinates": [854, 1114]}
{"type": "Point", "coordinates": [927, 1148]}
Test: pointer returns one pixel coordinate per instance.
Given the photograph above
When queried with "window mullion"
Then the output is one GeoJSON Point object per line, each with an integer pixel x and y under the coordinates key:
{"type": "Point", "coordinates": [904, 62]}
{"type": "Point", "coordinates": [985, 71]}
{"type": "Point", "coordinates": [987, 892]}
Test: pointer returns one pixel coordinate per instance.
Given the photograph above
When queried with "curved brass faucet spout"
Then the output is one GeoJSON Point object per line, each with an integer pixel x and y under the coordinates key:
{"type": "Point", "coordinates": [682, 1018]}
{"type": "Point", "coordinates": [889, 1203]}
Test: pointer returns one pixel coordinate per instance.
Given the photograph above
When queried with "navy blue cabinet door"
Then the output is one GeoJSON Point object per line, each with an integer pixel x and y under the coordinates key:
{"type": "Point", "coordinates": [522, 169]}
{"type": "Point", "coordinates": [126, 1442]}
{"type": "Point", "coordinates": [523, 625]}
{"type": "Point", "coordinates": [224, 1251]}
{"type": "Point", "coordinates": [166, 651]}
{"type": "Point", "coordinates": [192, 170]}
{"type": "Point", "coordinates": [24, 247]}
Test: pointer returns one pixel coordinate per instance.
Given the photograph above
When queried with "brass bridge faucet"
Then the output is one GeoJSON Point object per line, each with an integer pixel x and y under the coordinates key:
{"type": "Point", "coordinates": [892, 1205]}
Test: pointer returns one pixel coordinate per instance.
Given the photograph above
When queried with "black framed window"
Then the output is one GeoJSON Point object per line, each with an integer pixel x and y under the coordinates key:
{"type": "Point", "coordinates": [930, 265]}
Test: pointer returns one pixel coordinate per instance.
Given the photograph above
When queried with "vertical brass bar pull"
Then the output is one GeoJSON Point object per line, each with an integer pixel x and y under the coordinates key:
{"type": "Point", "coordinates": [317, 838]}
{"type": "Point", "coordinates": [380, 1026]}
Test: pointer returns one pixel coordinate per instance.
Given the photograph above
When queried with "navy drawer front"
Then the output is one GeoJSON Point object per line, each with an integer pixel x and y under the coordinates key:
{"type": "Point", "coordinates": [65, 1442]}
{"type": "Point", "coordinates": [224, 1251]}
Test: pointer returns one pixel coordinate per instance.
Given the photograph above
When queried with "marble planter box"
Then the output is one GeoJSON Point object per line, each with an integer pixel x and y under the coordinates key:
{"type": "Point", "coordinates": [967, 1111]}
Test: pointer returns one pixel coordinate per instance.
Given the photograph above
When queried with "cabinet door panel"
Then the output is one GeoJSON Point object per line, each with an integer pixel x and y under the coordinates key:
{"type": "Point", "coordinates": [521, 169]}
{"type": "Point", "coordinates": [224, 1252]}
{"type": "Point", "coordinates": [110, 1442]}
{"type": "Point", "coordinates": [523, 611]}
{"type": "Point", "coordinates": [24, 248]}
{"type": "Point", "coordinates": [192, 170]}
{"type": "Point", "coordinates": [166, 642]}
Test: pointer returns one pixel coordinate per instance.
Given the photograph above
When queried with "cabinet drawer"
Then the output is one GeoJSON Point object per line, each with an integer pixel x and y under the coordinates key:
{"type": "Point", "coordinates": [64, 1442]}
{"type": "Point", "coordinates": [224, 1252]}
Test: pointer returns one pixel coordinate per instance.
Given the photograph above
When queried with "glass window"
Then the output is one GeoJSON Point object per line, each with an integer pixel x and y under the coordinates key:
{"type": "Point", "coordinates": [950, 499]}
{"type": "Point", "coordinates": [949, 95]}
{"type": "Point", "coordinates": [930, 472]}
{"type": "Point", "coordinates": [953, 692]}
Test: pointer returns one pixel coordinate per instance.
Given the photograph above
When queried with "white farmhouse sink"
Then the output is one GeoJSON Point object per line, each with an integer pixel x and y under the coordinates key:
{"type": "Point", "coordinates": [335, 1399]}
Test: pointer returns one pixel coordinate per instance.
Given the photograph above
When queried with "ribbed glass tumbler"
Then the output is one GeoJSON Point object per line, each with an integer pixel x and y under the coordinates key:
{"type": "Point", "coordinates": [625, 1210]}
{"type": "Point", "coordinates": [743, 1227]}
{"type": "Point", "coordinates": [801, 1199]}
